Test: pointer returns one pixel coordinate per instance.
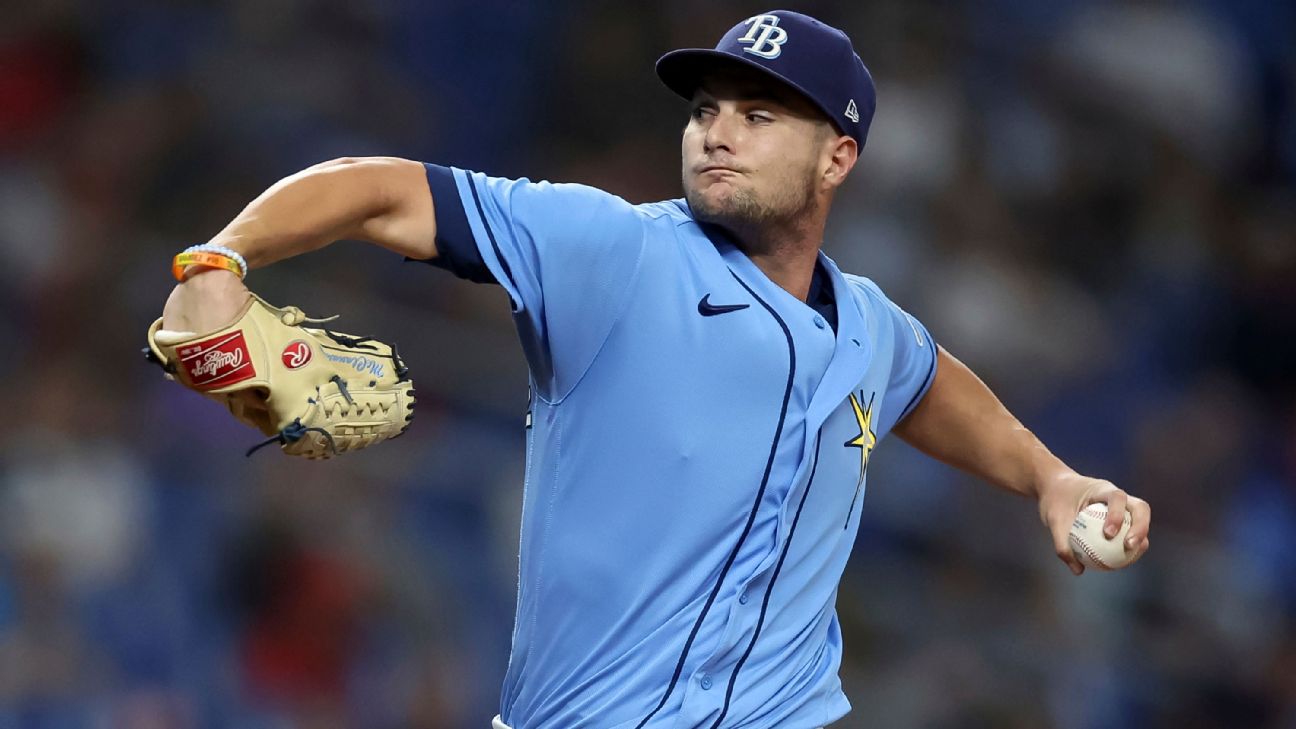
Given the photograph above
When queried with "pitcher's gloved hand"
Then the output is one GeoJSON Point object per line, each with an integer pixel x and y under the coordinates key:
{"type": "Point", "coordinates": [315, 392]}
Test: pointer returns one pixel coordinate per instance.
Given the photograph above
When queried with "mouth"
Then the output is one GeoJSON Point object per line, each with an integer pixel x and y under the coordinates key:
{"type": "Point", "coordinates": [716, 170]}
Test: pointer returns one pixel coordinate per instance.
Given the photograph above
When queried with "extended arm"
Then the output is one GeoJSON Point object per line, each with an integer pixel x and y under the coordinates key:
{"type": "Point", "coordinates": [383, 200]}
{"type": "Point", "coordinates": [963, 424]}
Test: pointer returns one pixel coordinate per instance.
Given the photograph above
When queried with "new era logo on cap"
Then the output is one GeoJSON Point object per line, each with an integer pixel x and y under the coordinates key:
{"type": "Point", "coordinates": [852, 112]}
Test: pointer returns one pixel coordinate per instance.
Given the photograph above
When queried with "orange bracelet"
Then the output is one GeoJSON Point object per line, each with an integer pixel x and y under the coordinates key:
{"type": "Point", "coordinates": [205, 259]}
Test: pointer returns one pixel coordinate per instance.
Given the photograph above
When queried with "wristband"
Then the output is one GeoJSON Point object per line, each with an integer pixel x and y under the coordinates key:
{"type": "Point", "coordinates": [209, 256]}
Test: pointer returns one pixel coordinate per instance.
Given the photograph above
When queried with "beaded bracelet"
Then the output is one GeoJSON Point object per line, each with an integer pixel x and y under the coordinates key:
{"type": "Point", "coordinates": [208, 255]}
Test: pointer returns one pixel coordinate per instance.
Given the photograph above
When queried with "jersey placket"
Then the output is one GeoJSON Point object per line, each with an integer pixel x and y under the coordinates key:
{"type": "Point", "coordinates": [711, 688]}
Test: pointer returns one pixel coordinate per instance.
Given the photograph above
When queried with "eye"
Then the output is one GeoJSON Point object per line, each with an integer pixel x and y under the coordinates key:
{"type": "Point", "coordinates": [758, 117]}
{"type": "Point", "coordinates": [697, 112]}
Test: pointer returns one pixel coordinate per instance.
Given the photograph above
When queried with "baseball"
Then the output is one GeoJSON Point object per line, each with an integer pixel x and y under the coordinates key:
{"type": "Point", "coordinates": [1089, 544]}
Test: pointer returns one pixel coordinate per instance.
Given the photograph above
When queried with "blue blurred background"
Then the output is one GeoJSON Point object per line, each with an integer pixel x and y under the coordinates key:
{"type": "Point", "coordinates": [1090, 202]}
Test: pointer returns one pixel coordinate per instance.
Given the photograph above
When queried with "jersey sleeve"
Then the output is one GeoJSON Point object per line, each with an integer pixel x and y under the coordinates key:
{"type": "Point", "coordinates": [913, 360]}
{"type": "Point", "coordinates": [566, 254]}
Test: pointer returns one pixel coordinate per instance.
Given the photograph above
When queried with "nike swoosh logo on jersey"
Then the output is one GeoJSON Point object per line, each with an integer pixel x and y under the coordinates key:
{"type": "Point", "coordinates": [706, 308]}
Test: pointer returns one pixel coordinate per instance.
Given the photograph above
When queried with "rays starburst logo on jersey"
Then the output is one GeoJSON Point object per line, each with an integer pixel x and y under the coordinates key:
{"type": "Point", "coordinates": [865, 441]}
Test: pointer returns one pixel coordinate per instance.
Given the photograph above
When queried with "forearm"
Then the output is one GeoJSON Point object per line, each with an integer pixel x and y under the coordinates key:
{"type": "Point", "coordinates": [960, 422]}
{"type": "Point", "coordinates": [382, 200]}
{"type": "Point", "coordinates": [364, 199]}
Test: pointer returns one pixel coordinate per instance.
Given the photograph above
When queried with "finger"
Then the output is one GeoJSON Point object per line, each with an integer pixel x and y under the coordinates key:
{"type": "Point", "coordinates": [1142, 548]}
{"type": "Point", "coordinates": [1116, 504]}
{"type": "Point", "coordinates": [1140, 522]}
{"type": "Point", "coordinates": [1138, 552]}
{"type": "Point", "coordinates": [1062, 546]}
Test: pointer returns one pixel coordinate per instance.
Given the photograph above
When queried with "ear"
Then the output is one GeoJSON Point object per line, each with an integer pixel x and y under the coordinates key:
{"type": "Point", "coordinates": [839, 156]}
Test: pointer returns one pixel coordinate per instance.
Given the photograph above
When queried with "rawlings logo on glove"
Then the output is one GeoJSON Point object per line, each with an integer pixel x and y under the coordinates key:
{"type": "Point", "coordinates": [264, 369]}
{"type": "Point", "coordinates": [296, 354]}
{"type": "Point", "coordinates": [216, 362]}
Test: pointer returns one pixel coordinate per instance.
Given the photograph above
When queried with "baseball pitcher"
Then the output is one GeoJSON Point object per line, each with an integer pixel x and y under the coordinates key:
{"type": "Point", "coordinates": [707, 388]}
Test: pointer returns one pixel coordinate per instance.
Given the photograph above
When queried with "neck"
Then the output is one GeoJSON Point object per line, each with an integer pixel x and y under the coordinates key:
{"type": "Point", "coordinates": [786, 254]}
{"type": "Point", "coordinates": [791, 269]}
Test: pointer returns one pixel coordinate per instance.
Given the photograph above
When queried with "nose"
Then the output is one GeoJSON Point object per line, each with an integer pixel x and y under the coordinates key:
{"type": "Point", "coordinates": [720, 133]}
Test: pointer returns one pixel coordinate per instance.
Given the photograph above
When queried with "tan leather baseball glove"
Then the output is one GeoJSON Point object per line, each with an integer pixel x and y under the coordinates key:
{"type": "Point", "coordinates": [315, 392]}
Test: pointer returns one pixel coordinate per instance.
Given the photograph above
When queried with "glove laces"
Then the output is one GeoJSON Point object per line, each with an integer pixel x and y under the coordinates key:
{"type": "Point", "coordinates": [292, 433]}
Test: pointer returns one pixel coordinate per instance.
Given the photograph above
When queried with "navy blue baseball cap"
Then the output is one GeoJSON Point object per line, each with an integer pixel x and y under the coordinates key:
{"type": "Point", "coordinates": [812, 57]}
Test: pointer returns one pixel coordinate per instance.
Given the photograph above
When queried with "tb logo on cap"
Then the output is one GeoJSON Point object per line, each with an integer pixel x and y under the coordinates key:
{"type": "Point", "coordinates": [765, 35]}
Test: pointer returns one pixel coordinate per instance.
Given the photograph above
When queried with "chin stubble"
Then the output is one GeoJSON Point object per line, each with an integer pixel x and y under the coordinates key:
{"type": "Point", "coordinates": [743, 213]}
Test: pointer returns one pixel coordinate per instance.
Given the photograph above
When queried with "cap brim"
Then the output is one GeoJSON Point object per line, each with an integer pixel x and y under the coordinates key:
{"type": "Point", "coordinates": [682, 72]}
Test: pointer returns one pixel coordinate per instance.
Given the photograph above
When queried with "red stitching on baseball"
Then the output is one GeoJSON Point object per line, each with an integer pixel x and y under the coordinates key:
{"type": "Point", "coordinates": [1084, 546]}
{"type": "Point", "coordinates": [1075, 542]}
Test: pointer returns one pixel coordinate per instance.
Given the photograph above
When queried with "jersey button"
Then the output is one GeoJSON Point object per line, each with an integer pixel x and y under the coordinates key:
{"type": "Point", "coordinates": [742, 599]}
{"type": "Point", "coordinates": [706, 683]}
{"type": "Point", "coordinates": [819, 322]}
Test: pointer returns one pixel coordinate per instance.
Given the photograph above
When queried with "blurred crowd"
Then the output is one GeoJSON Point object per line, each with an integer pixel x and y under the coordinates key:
{"type": "Point", "coordinates": [1091, 203]}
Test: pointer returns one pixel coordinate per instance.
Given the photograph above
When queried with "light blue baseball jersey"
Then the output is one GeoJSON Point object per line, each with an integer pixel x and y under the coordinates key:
{"type": "Point", "coordinates": [696, 457]}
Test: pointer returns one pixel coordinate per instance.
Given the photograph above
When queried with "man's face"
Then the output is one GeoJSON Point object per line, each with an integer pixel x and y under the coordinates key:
{"type": "Point", "coordinates": [753, 151]}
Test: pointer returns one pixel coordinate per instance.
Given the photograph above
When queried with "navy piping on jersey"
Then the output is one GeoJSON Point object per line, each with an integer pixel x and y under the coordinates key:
{"type": "Point", "coordinates": [927, 383]}
{"type": "Point", "coordinates": [491, 234]}
{"type": "Point", "coordinates": [456, 246]}
{"type": "Point", "coordinates": [751, 517]}
{"type": "Point", "coordinates": [769, 589]}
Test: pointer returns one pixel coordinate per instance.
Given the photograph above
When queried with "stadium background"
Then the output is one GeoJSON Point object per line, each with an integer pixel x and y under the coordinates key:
{"type": "Point", "coordinates": [1090, 202]}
